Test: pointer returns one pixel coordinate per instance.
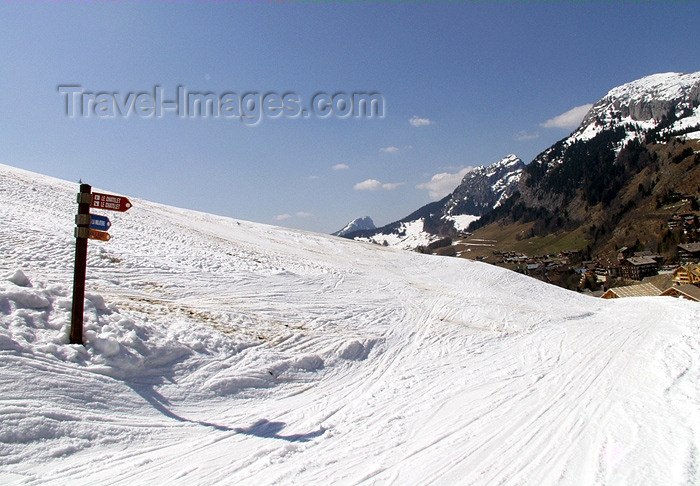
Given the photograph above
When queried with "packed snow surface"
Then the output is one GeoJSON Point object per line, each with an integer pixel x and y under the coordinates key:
{"type": "Point", "coordinates": [408, 236]}
{"type": "Point", "coordinates": [226, 352]}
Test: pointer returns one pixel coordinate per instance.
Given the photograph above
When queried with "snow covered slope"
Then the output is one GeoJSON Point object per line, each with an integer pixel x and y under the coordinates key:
{"type": "Point", "coordinates": [226, 352]}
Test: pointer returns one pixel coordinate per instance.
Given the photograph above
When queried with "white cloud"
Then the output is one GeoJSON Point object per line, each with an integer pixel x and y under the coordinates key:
{"type": "Point", "coordinates": [298, 214]}
{"type": "Point", "coordinates": [440, 185]}
{"type": "Point", "coordinates": [389, 150]}
{"type": "Point", "coordinates": [375, 185]}
{"type": "Point", "coordinates": [417, 121]}
{"type": "Point", "coordinates": [523, 136]}
{"type": "Point", "coordinates": [313, 177]}
{"type": "Point", "coordinates": [390, 186]}
{"type": "Point", "coordinates": [570, 119]}
{"type": "Point", "coordinates": [341, 167]}
{"type": "Point", "coordinates": [368, 185]}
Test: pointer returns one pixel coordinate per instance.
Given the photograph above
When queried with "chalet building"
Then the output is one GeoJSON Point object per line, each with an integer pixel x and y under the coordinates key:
{"type": "Point", "coordinates": [589, 265]}
{"type": "Point", "coordinates": [689, 223]}
{"type": "Point", "coordinates": [674, 222]}
{"type": "Point", "coordinates": [688, 292]}
{"type": "Point", "coordinates": [623, 253]}
{"type": "Point", "coordinates": [687, 275]}
{"type": "Point", "coordinates": [686, 221]}
{"type": "Point", "coordinates": [608, 268]}
{"type": "Point", "coordinates": [636, 268]}
{"type": "Point", "coordinates": [533, 268]}
{"type": "Point", "coordinates": [690, 220]}
{"type": "Point", "coordinates": [689, 252]}
{"type": "Point", "coordinates": [641, 290]}
{"type": "Point", "coordinates": [659, 259]}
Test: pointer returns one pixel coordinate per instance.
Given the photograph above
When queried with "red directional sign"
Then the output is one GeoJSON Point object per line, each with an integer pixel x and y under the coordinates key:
{"type": "Point", "coordinates": [110, 202]}
{"type": "Point", "coordinates": [98, 235]}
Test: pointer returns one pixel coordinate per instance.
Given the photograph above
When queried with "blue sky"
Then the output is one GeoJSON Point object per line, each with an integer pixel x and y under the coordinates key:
{"type": "Point", "coordinates": [479, 81]}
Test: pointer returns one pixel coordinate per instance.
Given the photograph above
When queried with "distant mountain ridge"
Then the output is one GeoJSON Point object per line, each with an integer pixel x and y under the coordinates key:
{"type": "Point", "coordinates": [635, 148]}
{"type": "Point", "coordinates": [357, 224]}
{"type": "Point", "coordinates": [481, 189]}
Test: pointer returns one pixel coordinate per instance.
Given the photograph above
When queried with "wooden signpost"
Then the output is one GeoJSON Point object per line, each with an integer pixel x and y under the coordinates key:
{"type": "Point", "coordinates": [98, 235]}
{"type": "Point", "coordinates": [110, 202]}
{"type": "Point", "coordinates": [89, 226]}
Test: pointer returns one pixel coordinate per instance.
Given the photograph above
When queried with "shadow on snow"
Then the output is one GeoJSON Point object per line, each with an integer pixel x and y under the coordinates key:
{"type": "Point", "coordinates": [262, 428]}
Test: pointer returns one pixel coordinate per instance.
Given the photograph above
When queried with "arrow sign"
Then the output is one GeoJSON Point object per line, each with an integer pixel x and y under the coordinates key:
{"type": "Point", "coordinates": [98, 222]}
{"type": "Point", "coordinates": [98, 235]}
{"type": "Point", "coordinates": [110, 202]}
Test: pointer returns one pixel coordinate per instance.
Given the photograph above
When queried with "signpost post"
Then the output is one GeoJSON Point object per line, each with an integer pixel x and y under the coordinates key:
{"type": "Point", "coordinates": [94, 227]}
{"type": "Point", "coordinates": [82, 221]}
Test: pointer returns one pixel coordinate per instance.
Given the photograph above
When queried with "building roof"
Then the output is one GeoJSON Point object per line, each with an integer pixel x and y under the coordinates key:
{"type": "Point", "coordinates": [643, 260]}
{"type": "Point", "coordinates": [692, 268]}
{"type": "Point", "coordinates": [687, 291]}
{"type": "Point", "coordinates": [640, 290]}
{"type": "Point", "coordinates": [690, 247]}
{"type": "Point", "coordinates": [608, 263]}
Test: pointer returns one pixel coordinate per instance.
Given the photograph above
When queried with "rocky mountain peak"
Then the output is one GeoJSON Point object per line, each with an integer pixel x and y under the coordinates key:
{"type": "Point", "coordinates": [658, 105]}
{"type": "Point", "coordinates": [485, 187]}
{"type": "Point", "coordinates": [358, 224]}
{"type": "Point", "coordinates": [643, 103]}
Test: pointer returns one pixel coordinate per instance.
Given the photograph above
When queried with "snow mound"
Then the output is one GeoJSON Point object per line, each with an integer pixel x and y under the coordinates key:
{"type": "Point", "coordinates": [19, 278]}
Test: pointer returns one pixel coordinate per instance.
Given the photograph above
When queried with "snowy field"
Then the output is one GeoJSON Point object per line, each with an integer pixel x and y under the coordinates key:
{"type": "Point", "coordinates": [226, 352]}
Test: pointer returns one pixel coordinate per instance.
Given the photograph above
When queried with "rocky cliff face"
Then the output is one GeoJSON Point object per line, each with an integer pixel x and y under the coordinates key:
{"type": "Point", "coordinates": [644, 104]}
{"type": "Point", "coordinates": [485, 188]}
{"type": "Point", "coordinates": [652, 97]}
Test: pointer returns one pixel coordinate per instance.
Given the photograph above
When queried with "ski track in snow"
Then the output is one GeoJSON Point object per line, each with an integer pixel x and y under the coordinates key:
{"type": "Point", "coordinates": [226, 352]}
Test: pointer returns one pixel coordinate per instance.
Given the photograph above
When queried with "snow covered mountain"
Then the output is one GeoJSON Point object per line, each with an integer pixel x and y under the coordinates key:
{"type": "Point", "coordinates": [357, 224]}
{"type": "Point", "coordinates": [481, 190]}
{"type": "Point", "coordinates": [219, 353]}
{"type": "Point", "coordinates": [635, 148]}
{"type": "Point", "coordinates": [650, 109]}
{"type": "Point", "coordinates": [485, 188]}
{"type": "Point", "coordinates": [660, 104]}
{"type": "Point", "coordinates": [670, 99]}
